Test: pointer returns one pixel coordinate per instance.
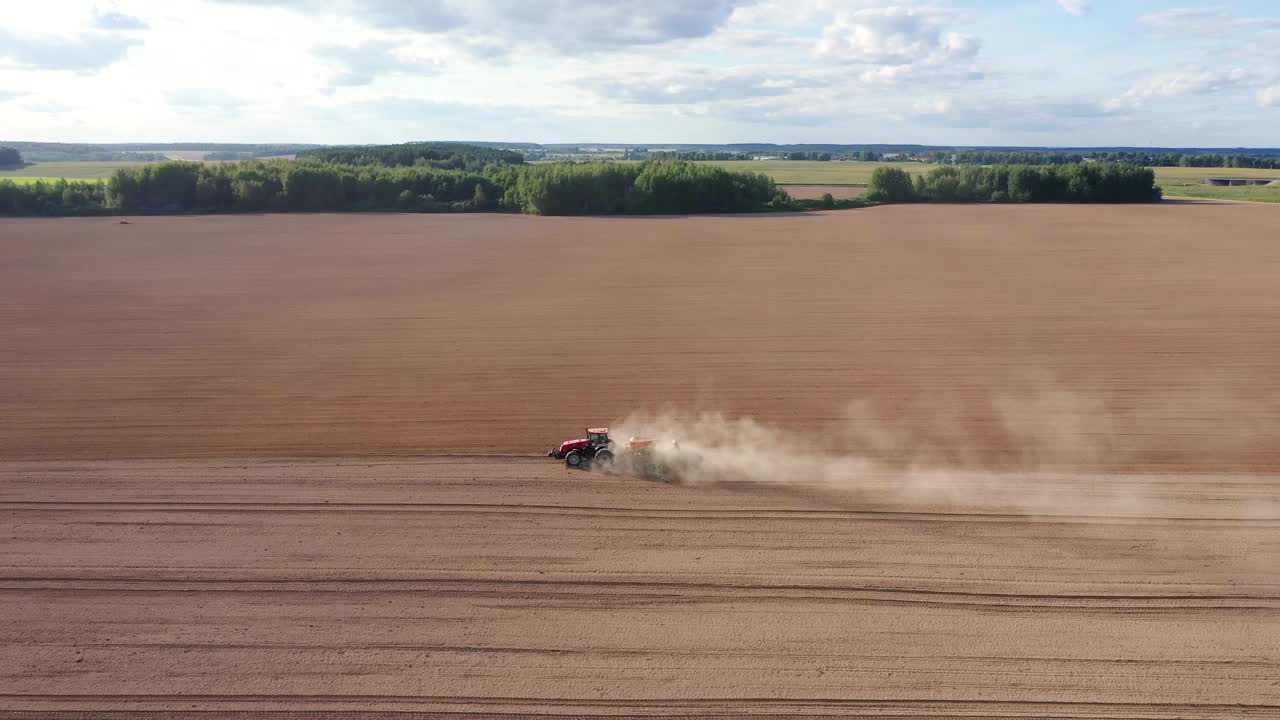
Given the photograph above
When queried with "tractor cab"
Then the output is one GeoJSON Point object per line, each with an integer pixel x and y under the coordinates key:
{"type": "Point", "coordinates": [598, 436]}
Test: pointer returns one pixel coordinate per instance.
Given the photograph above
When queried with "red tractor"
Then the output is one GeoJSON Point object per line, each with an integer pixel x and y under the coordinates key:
{"type": "Point", "coordinates": [594, 448]}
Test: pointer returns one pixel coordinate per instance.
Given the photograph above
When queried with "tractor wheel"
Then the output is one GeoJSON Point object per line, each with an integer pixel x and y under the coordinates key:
{"type": "Point", "coordinates": [573, 459]}
{"type": "Point", "coordinates": [603, 460]}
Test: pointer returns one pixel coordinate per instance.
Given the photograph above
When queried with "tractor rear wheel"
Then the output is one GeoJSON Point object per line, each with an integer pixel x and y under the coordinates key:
{"type": "Point", "coordinates": [573, 459]}
{"type": "Point", "coordinates": [603, 460]}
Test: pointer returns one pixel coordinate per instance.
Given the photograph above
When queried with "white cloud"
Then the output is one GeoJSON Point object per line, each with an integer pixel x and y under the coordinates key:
{"type": "Point", "coordinates": [775, 115]}
{"type": "Point", "coordinates": [203, 100]}
{"type": "Point", "coordinates": [1189, 82]}
{"type": "Point", "coordinates": [1025, 115]}
{"type": "Point", "coordinates": [362, 64]}
{"type": "Point", "coordinates": [696, 85]}
{"type": "Point", "coordinates": [933, 106]}
{"type": "Point", "coordinates": [48, 107]}
{"type": "Point", "coordinates": [1205, 20]}
{"type": "Point", "coordinates": [1179, 83]}
{"type": "Point", "coordinates": [897, 35]}
{"type": "Point", "coordinates": [116, 21]}
{"type": "Point", "coordinates": [566, 25]}
{"type": "Point", "coordinates": [1079, 8]}
{"type": "Point", "coordinates": [86, 52]}
{"type": "Point", "coordinates": [359, 71]}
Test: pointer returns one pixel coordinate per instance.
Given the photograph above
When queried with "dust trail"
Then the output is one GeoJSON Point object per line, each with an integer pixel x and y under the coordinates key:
{"type": "Point", "coordinates": [1056, 446]}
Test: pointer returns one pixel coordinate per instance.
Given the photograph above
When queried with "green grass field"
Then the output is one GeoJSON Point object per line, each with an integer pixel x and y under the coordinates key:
{"type": "Point", "coordinates": [1171, 173]}
{"type": "Point", "coordinates": [53, 171]}
{"type": "Point", "coordinates": [812, 172]}
{"type": "Point", "coordinates": [1189, 182]}
{"type": "Point", "coordinates": [1193, 187]}
{"type": "Point", "coordinates": [26, 179]}
{"type": "Point", "coordinates": [1176, 181]}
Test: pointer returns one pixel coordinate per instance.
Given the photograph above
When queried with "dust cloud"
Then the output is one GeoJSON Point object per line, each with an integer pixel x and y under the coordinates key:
{"type": "Point", "coordinates": [1042, 450]}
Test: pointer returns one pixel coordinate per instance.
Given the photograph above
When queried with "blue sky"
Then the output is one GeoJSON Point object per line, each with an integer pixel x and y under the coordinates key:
{"type": "Point", "coordinates": [991, 72]}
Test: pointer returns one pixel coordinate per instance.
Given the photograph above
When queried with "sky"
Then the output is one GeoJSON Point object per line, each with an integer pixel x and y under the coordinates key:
{"type": "Point", "coordinates": [941, 72]}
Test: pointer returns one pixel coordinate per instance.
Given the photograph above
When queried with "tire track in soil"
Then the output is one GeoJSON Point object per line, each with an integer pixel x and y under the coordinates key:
{"type": "Point", "coordinates": [711, 708]}
{"type": "Point", "coordinates": [531, 592]}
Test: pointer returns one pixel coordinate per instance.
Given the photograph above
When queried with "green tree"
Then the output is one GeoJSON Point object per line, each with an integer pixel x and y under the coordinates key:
{"type": "Point", "coordinates": [891, 184]}
{"type": "Point", "coordinates": [126, 190]}
{"type": "Point", "coordinates": [1024, 184]}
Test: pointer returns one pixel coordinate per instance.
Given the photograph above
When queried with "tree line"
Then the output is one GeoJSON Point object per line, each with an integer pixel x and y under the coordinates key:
{"type": "Point", "coordinates": [651, 187]}
{"type": "Point", "coordinates": [70, 152]}
{"type": "Point", "coordinates": [1079, 183]}
{"type": "Point", "coordinates": [704, 155]}
{"type": "Point", "coordinates": [38, 152]}
{"type": "Point", "coordinates": [10, 157]}
{"type": "Point", "coordinates": [445, 156]}
{"type": "Point", "coordinates": [698, 155]}
{"type": "Point", "coordinates": [1162, 159]}
{"type": "Point", "coordinates": [308, 185]}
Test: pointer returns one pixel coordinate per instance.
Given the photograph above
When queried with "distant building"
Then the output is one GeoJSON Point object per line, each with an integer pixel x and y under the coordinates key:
{"type": "Point", "coordinates": [1233, 181]}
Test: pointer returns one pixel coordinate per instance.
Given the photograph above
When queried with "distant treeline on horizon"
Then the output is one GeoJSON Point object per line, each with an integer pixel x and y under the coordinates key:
{"type": "Point", "coordinates": [839, 149]}
{"type": "Point", "coordinates": [446, 177]}
{"type": "Point", "coordinates": [993, 157]}
{"type": "Point", "coordinates": [956, 154]}
{"type": "Point", "coordinates": [42, 152]}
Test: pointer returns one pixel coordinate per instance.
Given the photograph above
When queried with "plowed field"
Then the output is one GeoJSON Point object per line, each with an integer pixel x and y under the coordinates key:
{"type": "Point", "coordinates": [1003, 462]}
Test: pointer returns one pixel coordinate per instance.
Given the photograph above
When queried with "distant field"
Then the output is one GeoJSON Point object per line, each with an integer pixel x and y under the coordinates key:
{"type": "Point", "coordinates": [1189, 182]}
{"type": "Point", "coordinates": [1163, 173]}
{"type": "Point", "coordinates": [66, 171]}
{"type": "Point", "coordinates": [813, 192]}
{"type": "Point", "coordinates": [1176, 181]}
{"type": "Point", "coordinates": [812, 172]}
{"type": "Point", "coordinates": [1194, 188]}
{"type": "Point", "coordinates": [28, 179]}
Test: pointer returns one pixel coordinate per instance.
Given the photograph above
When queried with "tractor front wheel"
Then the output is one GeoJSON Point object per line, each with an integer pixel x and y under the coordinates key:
{"type": "Point", "coordinates": [573, 459]}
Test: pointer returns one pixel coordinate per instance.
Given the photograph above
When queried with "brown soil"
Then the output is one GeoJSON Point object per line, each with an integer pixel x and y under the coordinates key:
{"type": "Point", "coordinates": [237, 580]}
{"type": "Point", "coordinates": [474, 588]}
{"type": "Point", "coordinates": [813, 192]}
{"type": "Point", "coordinates": [1151, 334]}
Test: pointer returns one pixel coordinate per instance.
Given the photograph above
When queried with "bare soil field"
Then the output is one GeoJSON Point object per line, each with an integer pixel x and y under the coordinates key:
{"type": "Point", "coordinates": [1138, 337]}
{"type": "Point", "coordinates": [988, 462]}
{"type": "Point", "coordinates": [459, 587]}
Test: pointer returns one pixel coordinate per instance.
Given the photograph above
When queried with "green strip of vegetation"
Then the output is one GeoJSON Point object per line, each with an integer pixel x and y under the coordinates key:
{"type": "Point", "coordinates": [66, 171]}
{"type": "Point", "coordinates": [446, 177]}
{"type": "Point", "coordinates": [444, 156]}
{"type": "Point", "coordinates": [309, 185]}
{"type": "Point", "coordinates": [1080, 183]}
{"type": "Point", "coordinates": [667, 187]}
{"type": "Point", "coordinates": [25, 179]}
